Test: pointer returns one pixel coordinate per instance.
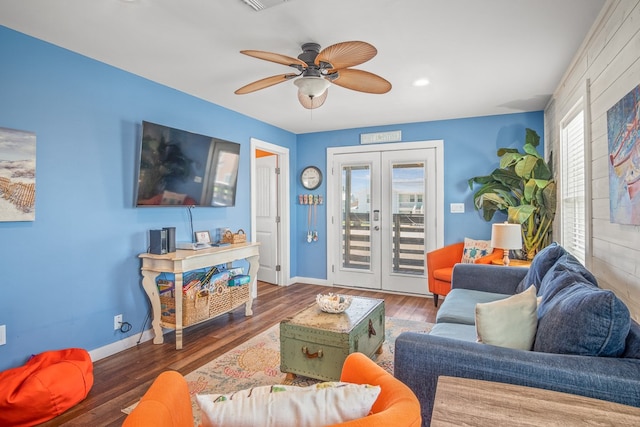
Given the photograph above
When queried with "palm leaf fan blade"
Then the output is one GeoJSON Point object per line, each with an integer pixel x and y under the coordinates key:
{"type": "Point", "coordinates": [264, 83]}
{"type": "Point", "coordinates": [362, 81]}
{"type": "Point", "coordinates": [346, 54]}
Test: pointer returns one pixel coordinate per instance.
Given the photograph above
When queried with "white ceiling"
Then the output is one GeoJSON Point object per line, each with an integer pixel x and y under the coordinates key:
{"type": "Point", "coordinates": [481, 57]}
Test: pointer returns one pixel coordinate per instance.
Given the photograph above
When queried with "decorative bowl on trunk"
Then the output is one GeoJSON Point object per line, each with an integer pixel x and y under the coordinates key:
{"type": "Point", "coordinates": [333, 303]}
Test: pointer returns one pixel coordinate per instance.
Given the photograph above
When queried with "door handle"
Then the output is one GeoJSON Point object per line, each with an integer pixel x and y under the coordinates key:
{"type": "Point", "coordinates": [376, 215]}
{"type": "Point", "coordinates": [377, 228]}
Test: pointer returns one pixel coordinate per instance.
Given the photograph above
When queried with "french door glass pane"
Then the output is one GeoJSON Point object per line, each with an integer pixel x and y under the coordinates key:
{"type": "Point", "coordinates": [407, 229]}
{"type": "Point", "coordinates": [356, 210]}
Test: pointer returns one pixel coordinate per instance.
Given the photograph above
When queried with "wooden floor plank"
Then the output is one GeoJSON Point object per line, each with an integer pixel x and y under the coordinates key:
{"type": "Point", "coordinates": [121, 379]}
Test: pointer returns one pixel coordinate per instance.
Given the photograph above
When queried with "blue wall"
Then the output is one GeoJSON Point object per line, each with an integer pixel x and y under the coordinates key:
{"type": "Point", "coordinates": [65, 275]}
{"type": "Point", "coordinates": [470, 147]}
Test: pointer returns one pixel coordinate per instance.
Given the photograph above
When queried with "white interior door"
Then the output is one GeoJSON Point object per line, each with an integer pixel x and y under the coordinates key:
{"type": "Point", "coordinates": [384, 211]}
{"type": "Point", "coordinates": [266, 215]}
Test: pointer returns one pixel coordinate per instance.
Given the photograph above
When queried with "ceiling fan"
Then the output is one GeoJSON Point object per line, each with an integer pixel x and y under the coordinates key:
{"type": "Point", "coordinates": [317, 69]}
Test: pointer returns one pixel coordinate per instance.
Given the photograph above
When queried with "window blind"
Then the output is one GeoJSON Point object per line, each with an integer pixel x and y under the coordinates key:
{"type": "Point", "coordinates": [573, 203]}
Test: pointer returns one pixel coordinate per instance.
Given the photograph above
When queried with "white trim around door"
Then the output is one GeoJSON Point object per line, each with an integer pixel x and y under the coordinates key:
{"type": "Point", "coordinates": [284, 205]}
{"type": "Point", "coordinates": [435, 204]}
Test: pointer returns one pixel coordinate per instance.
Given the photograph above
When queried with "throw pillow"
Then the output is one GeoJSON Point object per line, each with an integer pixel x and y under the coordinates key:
{"type": "Point", "coordinates": [578, 318]}
{"type": "Point", "coordinates": [541, 263]}
{"type": "Point", "coordinates": [474, 249]}
{"type": "Point", "coordinates": [510, 322]}
{"type": "Point", "coordinates": [283, 406]}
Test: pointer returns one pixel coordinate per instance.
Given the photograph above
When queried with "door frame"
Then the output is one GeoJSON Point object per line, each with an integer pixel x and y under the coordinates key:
{"type": "Point", "coordinates": [284, 278]}
{"type": "Point", "coordinates": [438, 145]}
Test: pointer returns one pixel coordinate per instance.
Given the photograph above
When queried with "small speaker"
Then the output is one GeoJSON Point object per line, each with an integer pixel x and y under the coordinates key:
{"type": "Point", "coordinates": [158, 242]}
{"type": "Point", "coordinates": [171, 239]}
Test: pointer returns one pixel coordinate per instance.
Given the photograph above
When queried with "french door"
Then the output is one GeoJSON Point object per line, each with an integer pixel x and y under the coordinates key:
{"type": "Point", "coordinates": [383, 218]}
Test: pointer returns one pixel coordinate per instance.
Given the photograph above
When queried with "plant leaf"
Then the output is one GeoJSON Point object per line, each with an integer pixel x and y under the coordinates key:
{"type": "Point", "coordinates": [508, 178]}
{"type": "Point", "coordinates": [542, 170]}
{"type": "Point", "coordinates": [481, 179]}
{"type": "Point", "coordinates": [531, 137]}
{"type": "Point", "coordinates": [531, 150]}
{"type": "Point", "coordinates": [520, 214]}
{"type": "Point", "coordinates": [530, 190]}
{"type": "Point", "coordinates": [502, 151]}
{"type": "Point", "coordinates": [525, 166]}
{"type": "Point", "coordinates": [550, 199]}
{"type": "Point", "coordinates": [509, 159]}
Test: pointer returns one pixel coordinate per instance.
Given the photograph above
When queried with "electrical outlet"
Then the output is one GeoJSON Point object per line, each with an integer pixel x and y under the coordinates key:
{"type": "Point", "coordinates": [3, 334]}
{"type": "Point", "coordinates": [117, 322]}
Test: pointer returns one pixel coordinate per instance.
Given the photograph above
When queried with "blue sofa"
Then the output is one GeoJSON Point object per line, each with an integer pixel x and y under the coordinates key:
{"type": "Point", "coordinates": [585, 343]}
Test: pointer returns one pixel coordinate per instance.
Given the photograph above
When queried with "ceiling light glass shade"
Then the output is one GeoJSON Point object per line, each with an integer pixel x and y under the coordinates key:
{"type": "Point", "coordinates": [506, 236]}
{"type": "Point", "coordinates": [311, 102]}
{"type": "Point", "coordinates": [312, 86]}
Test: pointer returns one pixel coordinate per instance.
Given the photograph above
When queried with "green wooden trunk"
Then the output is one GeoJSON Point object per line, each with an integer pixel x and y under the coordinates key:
{"type": "Point", "coordinates": [315, 344]}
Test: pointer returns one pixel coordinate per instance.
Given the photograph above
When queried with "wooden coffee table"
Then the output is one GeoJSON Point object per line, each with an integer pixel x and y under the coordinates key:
{"type": "Point", "coordinates": [315, 344]}
{"type": "Point", "coordinates": [463, 401]}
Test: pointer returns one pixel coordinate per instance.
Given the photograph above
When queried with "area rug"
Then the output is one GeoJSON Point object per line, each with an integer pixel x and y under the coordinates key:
{"type": "Point", "coordinates": [256, 362]}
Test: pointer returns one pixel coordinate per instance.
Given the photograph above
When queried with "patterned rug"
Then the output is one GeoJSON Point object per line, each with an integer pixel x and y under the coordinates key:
{"type": "Point", "coordinates": [256, 362]}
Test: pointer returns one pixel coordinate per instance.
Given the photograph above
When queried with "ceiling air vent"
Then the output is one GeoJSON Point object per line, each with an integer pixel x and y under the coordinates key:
{"type": "Point", "coordinates": [258, 5]}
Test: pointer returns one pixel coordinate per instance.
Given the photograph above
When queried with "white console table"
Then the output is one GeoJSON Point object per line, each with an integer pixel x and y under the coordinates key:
{"type": "Point", "coordinates": [182, 261]}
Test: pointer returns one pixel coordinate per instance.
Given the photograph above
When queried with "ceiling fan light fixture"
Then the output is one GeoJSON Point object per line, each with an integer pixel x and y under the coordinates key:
{"type": "Point", "coordinates": [312, 86]}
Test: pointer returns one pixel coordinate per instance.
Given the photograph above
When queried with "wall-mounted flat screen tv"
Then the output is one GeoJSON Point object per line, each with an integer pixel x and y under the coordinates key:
{"type": "Point", "coordinates": [180, 168]}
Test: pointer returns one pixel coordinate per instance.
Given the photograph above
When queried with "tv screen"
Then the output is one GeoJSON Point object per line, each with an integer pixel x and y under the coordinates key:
{"type": "Point", "coordinates": [180, 168]}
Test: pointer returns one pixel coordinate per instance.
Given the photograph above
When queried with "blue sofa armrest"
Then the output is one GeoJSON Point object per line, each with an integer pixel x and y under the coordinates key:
{"type": "Point", "coordinates": [421, 358]}
{"type": "Point", "coordinates": [488, 278]}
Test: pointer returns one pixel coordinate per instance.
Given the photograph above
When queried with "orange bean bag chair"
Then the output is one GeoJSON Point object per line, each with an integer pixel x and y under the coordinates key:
{"type": "Point", "coordinates": [45, 387]}
{"type": "Point", "coordinates": [167, 402]}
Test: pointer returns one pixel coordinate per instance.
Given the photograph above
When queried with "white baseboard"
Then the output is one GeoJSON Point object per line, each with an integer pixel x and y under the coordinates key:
{"type": "Point", "coordinates": [118, 346]}
{"type": "Point", "coordinates": [309, 280]}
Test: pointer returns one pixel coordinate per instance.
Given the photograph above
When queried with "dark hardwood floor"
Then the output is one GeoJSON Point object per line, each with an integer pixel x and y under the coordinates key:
{"type": "Point", "coordinates": [122, 379]}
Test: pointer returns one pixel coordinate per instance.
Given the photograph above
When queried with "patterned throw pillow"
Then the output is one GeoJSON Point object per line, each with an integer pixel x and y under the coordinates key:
{"type": "Point", "coordinates": [284, 406]}
{"type": "Point", "coordinates": [474, 249]}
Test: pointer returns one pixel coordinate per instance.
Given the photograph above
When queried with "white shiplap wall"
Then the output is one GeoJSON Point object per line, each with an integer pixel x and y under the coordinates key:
{"type": "Point", "coordinates": [604, 70]}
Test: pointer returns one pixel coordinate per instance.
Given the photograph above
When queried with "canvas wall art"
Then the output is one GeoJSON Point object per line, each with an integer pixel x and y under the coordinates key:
{"type": "Point", "coordinates": [17, 175]}
{"type": "Point", "coordinates": [623, 126]}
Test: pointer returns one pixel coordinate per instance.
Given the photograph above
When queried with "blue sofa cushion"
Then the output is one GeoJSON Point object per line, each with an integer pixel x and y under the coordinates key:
{"type": "Point", "coordinates": [575, 317]}
{"type": "Point", "coordinates": [459, 305]}
{"type": "Point", "coordinates": [632, 344]}
{"type": "Point", "coordinates": [541, 263]}
{"type": "Point", "coordinates": [561, 275]}
{"type": "Point", "coordinates": [455, 331]}
{"type": "Point", "coordinates": [571, 263]}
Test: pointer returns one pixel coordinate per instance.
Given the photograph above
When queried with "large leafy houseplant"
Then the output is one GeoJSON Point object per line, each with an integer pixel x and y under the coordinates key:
{"type": "Point", "coordinates": [523, 188]}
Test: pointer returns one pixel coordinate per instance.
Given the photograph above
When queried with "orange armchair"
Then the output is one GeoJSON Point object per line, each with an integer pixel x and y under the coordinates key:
{"type": "Point", "coordinates": [396, 405]}
{"type": "Point", "coordinates": [167, 402]}
{"type": "Point", "coordinates": [440, 264]}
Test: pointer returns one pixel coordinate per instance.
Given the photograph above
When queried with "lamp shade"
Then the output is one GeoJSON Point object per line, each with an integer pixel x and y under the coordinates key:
{"type": "Point", "coordinates": [506, 236]}
{"type": "Point", "coordinates": [311, 86]}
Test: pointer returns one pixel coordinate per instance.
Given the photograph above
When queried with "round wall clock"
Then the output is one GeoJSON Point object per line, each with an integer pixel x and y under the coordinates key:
{"type": "Point", "coordinates": [311, 177]}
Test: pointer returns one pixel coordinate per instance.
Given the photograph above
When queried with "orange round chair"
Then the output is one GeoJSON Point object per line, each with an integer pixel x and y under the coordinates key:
{"type": "Point", "coordinates": [167, 402]}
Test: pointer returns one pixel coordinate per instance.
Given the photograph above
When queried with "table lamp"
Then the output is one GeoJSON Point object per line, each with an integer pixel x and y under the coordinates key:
{"type": "Point", "coordinates": [506, 236]}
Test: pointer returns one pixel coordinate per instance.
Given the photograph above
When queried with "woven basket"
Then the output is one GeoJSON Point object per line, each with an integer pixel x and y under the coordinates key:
{"type": "Point", "coordinates": [239, 237]}
{"type": "Point", "coordinates": [220, 301]}
{"type": "Point", "coordinates": [239, 295]}
{"type": "Point", "coordinates": [194, 309]}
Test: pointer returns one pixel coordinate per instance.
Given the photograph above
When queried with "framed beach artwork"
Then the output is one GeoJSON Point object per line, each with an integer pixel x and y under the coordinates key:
{"type": "Point", "coordinates": [17, 175]}
{"type": "Point", "coordinates": [623, 127]}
